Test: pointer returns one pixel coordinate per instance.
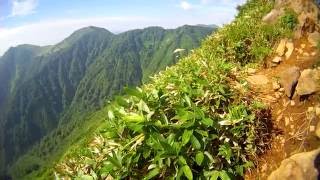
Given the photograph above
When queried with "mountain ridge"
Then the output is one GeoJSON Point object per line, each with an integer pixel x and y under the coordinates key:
{"type": "Point", "coordinates": [75, 76]}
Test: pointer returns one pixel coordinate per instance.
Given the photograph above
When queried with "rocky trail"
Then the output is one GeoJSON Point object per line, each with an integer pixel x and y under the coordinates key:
{"type": "Point", "coordinates": [289, 84]}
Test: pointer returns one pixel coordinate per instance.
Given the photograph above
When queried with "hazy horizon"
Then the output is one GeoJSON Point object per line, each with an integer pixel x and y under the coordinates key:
{"type": "Point", "coordinates": [41, 22]}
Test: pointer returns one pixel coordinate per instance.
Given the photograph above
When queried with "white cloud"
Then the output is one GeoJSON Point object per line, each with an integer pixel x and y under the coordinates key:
{"type": "Point", "coordinates": [185, 5]}
{"type": "Point", "coordinates": [223, 2]}
{"type": "Point", "coordinates": [23, 7]}
{"type": "Point", "coordinates": [49, 32]}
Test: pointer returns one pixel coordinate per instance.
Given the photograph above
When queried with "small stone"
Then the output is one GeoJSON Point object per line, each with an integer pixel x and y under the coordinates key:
{"type": "Point", "coordinates": [286, 121]}
{"type": "Point", "coordinates": [281, 47]}
{"type": "Point", "coordinates": [251, 71]}
{"type": "Point", "coordinates": [285, 104]}
{"type": "Point", "coordinates": [291, 119]}
{"type": "Point", "coordinates": [271, 98]}
{"type": "Point", "coordinates": [311, 109]}
{"type": "Point", "coordinates": [313, 53]}
{"type": "Point", "coordinates": [292, 103]}
{"type": "Point", "coordinates": [276, 86]}
{"type": "Point", "coordinates": [277, 60]}
{"type": "Point", "coordinates": [264, 167]}
{"type": "Point", "coordinates": [318, 130]}
{"type": "Point", "coordinates": [292, 126]}
{"type": "Point", "coordinates": [312, 128]}
{"type": "Point", "coordinates": [277, 95]}
{"type": "Point", "coordinates": [279, 112]}
{"type": "Point", "coordinates": [303, 46]}
{"type": "Point", "coordinates": [306, 54]}
{"type": "Point", "coordinates": [318, 111]}
{"type": "Point", "coordinates": [279, 118]}
{"type": "Point", "coordinates": [290, 49]}
{"type": "Point", "coordinates": [281, 90]}
{"type": "Point", "coordinates": [258, 80]}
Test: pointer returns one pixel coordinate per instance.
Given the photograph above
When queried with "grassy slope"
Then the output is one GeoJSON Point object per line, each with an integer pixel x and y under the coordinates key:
{"type": "Point", "coordinates": [190, 121]}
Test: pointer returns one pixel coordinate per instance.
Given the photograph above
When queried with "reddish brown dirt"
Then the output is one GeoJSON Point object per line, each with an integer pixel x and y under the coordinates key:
{"type": "Point", "coordinates": [293, 133]}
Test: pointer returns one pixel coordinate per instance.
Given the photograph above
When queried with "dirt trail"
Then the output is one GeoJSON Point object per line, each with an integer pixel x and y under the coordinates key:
{"type": "Point", "coordinates": [293, 130]}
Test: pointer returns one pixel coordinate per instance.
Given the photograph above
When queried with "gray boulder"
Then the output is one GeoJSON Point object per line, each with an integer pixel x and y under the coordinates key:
{"type": "Point", "coordinates": [289, 79]}
{"type": "Point", "coordinates": [309, 82]}
{"type": "Point", "coordinates": [302, 166]}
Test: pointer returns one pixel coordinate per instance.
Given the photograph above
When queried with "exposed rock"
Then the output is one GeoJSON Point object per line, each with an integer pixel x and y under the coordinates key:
{"type": "Point", "coordinates": [313, 53]}
{"type": "Point", "coordinates": [312, 128]}
{"type": "Point", "coordinates": [271, 98]}
{"type": "Point", "coordinates": [290, 48]}
{"type": "Point", "coordinates": [277, 95]}
{"type": "Point", "coordinates": [314, 38]}
{"type": "Point", "coordinates": [303, 46]}
{"type": "Point", "coordinates": [281, 47]}
{"type": "Point", "coordinates": [317, 109]}
{"type": "Point", "coordinates": [292, 103]}
{"type": "Point", "coordinates": [272, 16]}
{"type": "Point", "coordinates": [251, 71]}
{"type": "Point", "coordinates": [311, 109]}
{"type": "Point", "coordinates": [306, 54]}
{"type": "Point", "coordinates": [286, 121]}
{"type": "Point", "coordinates": [289, 79]}
{"type": "Point", "coordinates": [318, 130]}
{"type": "Point", "coordinates": [308, 82]}
{"type": "Point", "coordinates": [275, 86]}
{"type": "Point", "coordinates": [258, 80]}
{"type": "Point", "coordinates": [302, 166]}
{"type": "Point", "coordinates": [277, 59]}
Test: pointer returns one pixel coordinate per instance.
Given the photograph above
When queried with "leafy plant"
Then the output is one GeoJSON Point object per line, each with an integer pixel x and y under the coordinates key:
{"type": "Point", "coordinates": [289, 19]}
{"type": "Point", "coordinates": [190, 122]}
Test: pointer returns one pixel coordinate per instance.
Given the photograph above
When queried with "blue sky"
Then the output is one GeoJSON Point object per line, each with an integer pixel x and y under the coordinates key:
{"type": "Point", "coordinates": [46, 22]}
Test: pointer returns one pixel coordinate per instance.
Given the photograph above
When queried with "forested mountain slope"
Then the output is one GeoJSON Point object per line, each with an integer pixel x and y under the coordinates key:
{"type": "Point", "coordinates": [42, 87]}
{"type": "Point", "coordinates": [207, 117]}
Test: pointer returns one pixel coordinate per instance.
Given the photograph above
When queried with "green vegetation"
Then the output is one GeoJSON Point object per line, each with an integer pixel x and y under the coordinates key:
{"type": "Point", "coordinates": [289, 20]}
{"type": "Point", "coordinates": [191, 121]}
{"type": "Point", "coordinates": [47, 94]}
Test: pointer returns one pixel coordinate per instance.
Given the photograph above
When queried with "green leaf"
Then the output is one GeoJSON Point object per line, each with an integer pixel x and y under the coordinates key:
{"type": "Point", "coordinates": [195, 142]}
{"type": "Point", "coordinates": [184, 115]}
{"type": "Point", "coordinates": [225, 151]}
{"type": "Point", "coordinates": [85, 177]}
{"type": "Point", "coordinates": [212, 174]}
{"type": "Point", "coordinates": [224, 175]}
{"type": "Point", "coordinates": [114, 160]}
{"type": "Point", "coordinates": [135, 127]}
{"type": "Point", "coordinates": [186, 136]}
{"type": "Point", "coordinates": [110, 115]}
{"type": "Point", "coordinates": [134, 92]}
{"type": "Point", "coordinates": [207, 121]}
{"type": "Point", "coordinates": [187, 99]}
{"type": "Point", "coordinates": [133, 117]}
{"type": "Point", "coordinates": [152, 173]}
{"type": "Point", "coordinates": [121, 101]}
{"type": "Point", "coordinates": [199, 158]}
{"type": "Point", "coordinates": [182, 161]}
{"type": "Point", "coordinates": [143, 106]}
{"type": "Point", "coordinates": [187, 172]}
